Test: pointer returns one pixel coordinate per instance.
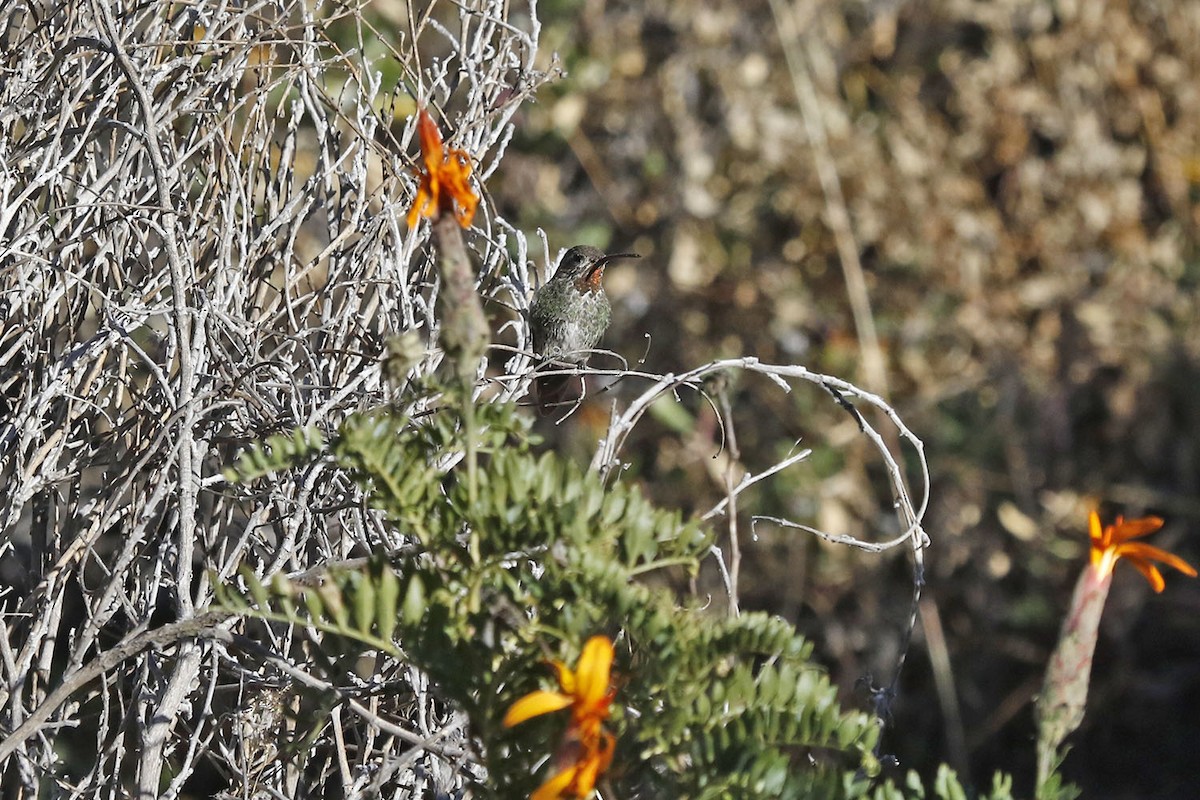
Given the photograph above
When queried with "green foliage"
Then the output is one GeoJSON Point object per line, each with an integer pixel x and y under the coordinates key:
{"type": "Point", "coordinates": [280, 452]}
{"type": "Point", "coordinates": [356, 609]}
{"type": "Point", "coordinates": [945, 787]}
{"type": "Point", "coordinates": [528, 557]}
{"type": "Point", "coordinates": [1053, 787]}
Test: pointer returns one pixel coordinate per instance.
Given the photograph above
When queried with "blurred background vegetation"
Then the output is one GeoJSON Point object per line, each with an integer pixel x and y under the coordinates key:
{"type": "Point", "coordinates": [1021, 181]}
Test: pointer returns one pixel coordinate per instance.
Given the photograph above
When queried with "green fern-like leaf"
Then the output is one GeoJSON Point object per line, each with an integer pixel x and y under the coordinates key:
{"type": "Point", "coordinates": [280, 452]}
{"type": "Point", "coordinates": [520, 557]}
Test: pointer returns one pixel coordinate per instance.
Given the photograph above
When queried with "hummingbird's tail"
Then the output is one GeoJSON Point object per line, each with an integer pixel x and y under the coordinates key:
{"type": "Point", "coordinates": [556, 392]}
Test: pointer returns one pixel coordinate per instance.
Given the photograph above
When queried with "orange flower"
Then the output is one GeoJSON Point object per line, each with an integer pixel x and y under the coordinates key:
{"type": "Point", "coordinates": [1113, 543]}
{"type": "Point", "coordinates": [587, 749]}
{"type": "Point", "coordinates": [1061, 704]}
{"type": "Point", "coordinates": [444, 183]}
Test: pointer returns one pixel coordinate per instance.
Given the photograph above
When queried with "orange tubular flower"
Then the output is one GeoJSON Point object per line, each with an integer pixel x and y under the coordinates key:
{"type": "Point", "coordinates": [587, 749]}
{"type": "Point", "coordinates": [1113, 542]}
{"type": "Point", "coordinates": [444, 185]}
{"type": "Point", "coordinates": [1061, 705]}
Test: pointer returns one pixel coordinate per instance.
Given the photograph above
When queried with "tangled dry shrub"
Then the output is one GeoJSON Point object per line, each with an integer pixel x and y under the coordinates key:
{"type": "Point", "coordinates": [203, 244]}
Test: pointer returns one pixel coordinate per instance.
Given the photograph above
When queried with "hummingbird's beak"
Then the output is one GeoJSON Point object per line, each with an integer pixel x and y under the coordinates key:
{"type": "Point", "coordinates": [598, 268]}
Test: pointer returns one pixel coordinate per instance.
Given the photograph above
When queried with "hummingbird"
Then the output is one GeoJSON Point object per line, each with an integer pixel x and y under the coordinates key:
{"type": "Point", "coordinates": [569, 314]}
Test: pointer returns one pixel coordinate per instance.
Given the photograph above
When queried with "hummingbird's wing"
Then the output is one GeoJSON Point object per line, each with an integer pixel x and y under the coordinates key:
{"type": "Point", "coordinates": [538, 329]}
{"type": "Point", "coordinates": [548, 321]}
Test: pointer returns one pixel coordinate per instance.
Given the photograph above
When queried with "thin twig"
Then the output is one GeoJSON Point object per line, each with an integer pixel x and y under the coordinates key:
{"type": "Point", "coordinates": [731, 492]}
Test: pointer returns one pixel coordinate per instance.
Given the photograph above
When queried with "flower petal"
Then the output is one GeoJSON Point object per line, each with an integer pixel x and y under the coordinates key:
{"type": "Point", "coordinates": [431, 142]}
{"type": "Point", "coordinates": [1149, 572]}
{"type": "Point", "coordinates": [534, 704]}
{"type": "Point", "coordinates": [1097, 534]}
{"type": "Point", "coordinates": [1148, 552]}
{"type": "Point", "coordinates": [594, 757]}
{"type": "Point", "coordinates": [592, 672]}
{"type": "Point", "coordinates": [456, 173]}
{"type": "Point", "coordinates": [426, 202]}
{"type": "Point", "coordinates": [1123, 531]}
{"type": "Point", "coordinates": [564, 675]}
{"type": "Point", "coordinates": [588, 770]}
{"type": "Point", "coordinates": [558, 783]}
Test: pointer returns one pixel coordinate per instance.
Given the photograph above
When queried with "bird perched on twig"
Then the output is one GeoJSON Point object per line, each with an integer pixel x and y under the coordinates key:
{"type": "Point", "coordinates": [569, 314]}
